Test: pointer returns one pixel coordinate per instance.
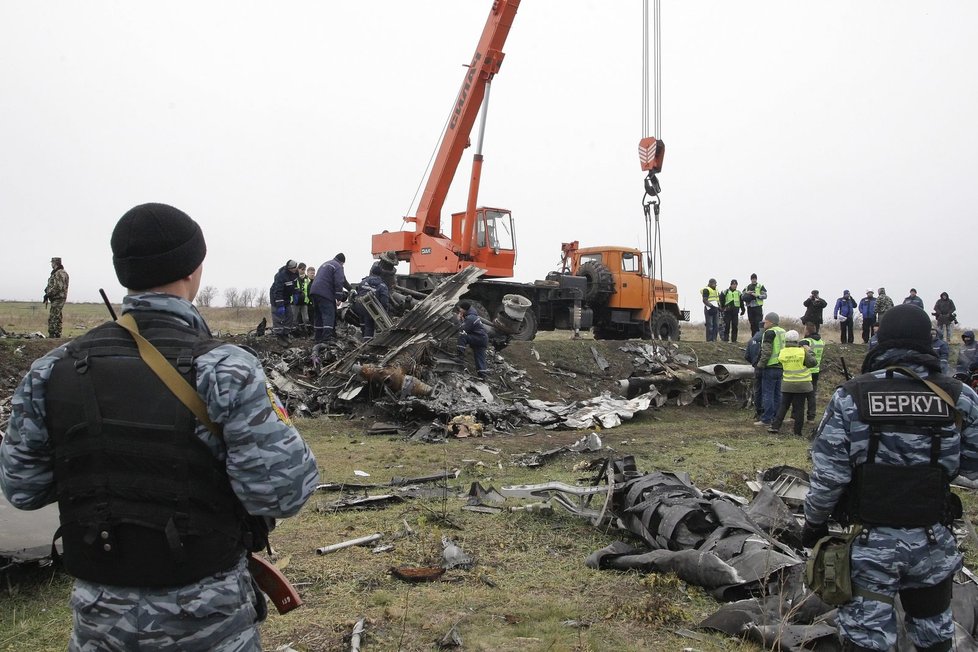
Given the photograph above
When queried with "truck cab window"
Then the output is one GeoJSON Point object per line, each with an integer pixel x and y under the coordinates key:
{"type": "Point", "coordinates": [631, 263]}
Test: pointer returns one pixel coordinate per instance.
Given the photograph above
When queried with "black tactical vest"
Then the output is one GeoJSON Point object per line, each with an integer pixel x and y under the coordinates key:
{"type": "Point", "coordinates": [915, 495]}
{"type": "Point", "coordinates": [143, 500]}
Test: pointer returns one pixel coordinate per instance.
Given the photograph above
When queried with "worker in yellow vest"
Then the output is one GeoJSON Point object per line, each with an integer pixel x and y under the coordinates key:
{"type": "Point", "coordinates": [732, 306]}
{"type": "Point", "coordinates": [797, 361]}
{"type": "Point", "coordinates": [754, 295]}
{"type": "Point", "coordinates": [814, 342]}
{"type": "Point", "coordinates": [711, 310]}
{"type": "Point", "coordinates": [769, 364]}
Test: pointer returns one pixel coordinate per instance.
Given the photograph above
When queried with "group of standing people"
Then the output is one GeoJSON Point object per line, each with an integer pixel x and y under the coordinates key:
{"type": "Point", "coordinates": [786, 372]}
{"type": "Point", "coordinates": [870, 310]}
{"type": "Point", "coordinates": [724, 308]}
{"type": "Point", "coordinates": [289, 298]}
{"type": "Point", "coordinates": [302, 296]}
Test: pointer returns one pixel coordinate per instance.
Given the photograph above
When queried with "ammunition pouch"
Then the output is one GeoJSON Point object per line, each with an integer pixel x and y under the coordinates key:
{"type": "Point", "coordinates": [828, 572]}
{"type": "Point", "coordinates": [901, 496]}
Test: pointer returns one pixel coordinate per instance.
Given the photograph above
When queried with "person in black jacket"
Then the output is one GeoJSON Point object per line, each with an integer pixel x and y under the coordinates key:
{"type": "Point", "coordinates": [814, 305]}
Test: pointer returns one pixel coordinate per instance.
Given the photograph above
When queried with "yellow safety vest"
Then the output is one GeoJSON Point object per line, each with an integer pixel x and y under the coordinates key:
{"type": "Point", "coordinates": [793, 362]}
{"type": "Point", "coordinates": [731, 298]}
{"type": "Point", "coordinates": [818, 348]}
{"type": "Point", "coordinates": [713, 295]}
{"type": "Point", "coordinates": [776, 345]}
{"type": "Point", "coordinates": [758, 288]}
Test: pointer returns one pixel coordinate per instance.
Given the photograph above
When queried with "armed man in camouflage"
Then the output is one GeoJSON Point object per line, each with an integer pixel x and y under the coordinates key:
{"type": "Point", "coordinates": [154, 505]}
{"type": "Point", "coordinates": [890, 442]}
{"type": "Point", "coordinates": [55, 294]}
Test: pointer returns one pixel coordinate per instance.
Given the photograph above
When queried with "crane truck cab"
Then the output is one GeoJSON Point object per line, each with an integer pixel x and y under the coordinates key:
{"type": "Point", "coordinates": [625, 301]}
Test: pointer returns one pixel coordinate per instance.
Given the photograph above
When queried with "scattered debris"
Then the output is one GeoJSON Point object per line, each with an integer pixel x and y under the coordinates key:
{"type": "Point", "coordinates": [451, 639]}
{"type": "Point", "coordinates": [356, 635]}
{"type": "Point", "coordinates": [463, 426]}
{"type": "Point", "coordinates": [360, 541]}
{"type": "Point", "coordinates": [453, 556]}
{"type": "Point", "coordinates": [599, 360]}
{"type": "Point", "coordinates": [586, 444]}
{"type": "Point", "coordinates": [417, 573]}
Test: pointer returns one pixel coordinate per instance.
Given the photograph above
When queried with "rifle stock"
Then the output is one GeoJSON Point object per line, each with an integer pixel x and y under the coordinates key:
{"type": "Point", "coordinates": [274, 584]}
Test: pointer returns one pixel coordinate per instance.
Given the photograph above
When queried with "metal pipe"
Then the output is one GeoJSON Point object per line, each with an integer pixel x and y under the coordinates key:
{"type": "Point", "coordinates": [348, 544]}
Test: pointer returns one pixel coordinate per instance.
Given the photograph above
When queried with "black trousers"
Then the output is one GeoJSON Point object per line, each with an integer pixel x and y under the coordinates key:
{"type": "Point", "coordinates": [755, 316]}
{"type": "Point", "coordinates": [868, 323]}
{"type": "Point", "coordinates": [845, 327]}
{"type": "Point", "coordinates": [797, 404]}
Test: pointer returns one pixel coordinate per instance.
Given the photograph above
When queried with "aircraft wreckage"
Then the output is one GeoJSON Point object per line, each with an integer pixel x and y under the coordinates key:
{"type": "Point", "coordinates": [411, 373]}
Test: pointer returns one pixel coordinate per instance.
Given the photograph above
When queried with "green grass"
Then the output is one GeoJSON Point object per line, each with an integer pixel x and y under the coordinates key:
{"type": "Point", "coordinates": [529, 588]}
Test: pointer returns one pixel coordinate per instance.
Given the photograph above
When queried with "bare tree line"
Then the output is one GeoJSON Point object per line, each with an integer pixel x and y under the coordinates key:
{"type": "Point", "coordinates": [233, 297]}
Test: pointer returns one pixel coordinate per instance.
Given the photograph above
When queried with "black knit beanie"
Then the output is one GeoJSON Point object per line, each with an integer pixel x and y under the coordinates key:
{"type": "Point", "coordinates": [156, 244]}
{"type": "Point", "coordinates": [905, 326]}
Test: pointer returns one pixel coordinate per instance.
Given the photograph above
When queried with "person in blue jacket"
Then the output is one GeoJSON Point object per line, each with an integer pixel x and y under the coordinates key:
{"type": "Point", "coordinates": [867, 308]}
{"type": "Point", "coordinates": [844, 312]}
{"type": "Point", "coordinates": [473, 334]}
{"type": "Point", "coordinates": [941, 349]}
{"type": "Point", "coordinates": [376, 285]}
{"type": "Point", "coordinates": [328, 287]}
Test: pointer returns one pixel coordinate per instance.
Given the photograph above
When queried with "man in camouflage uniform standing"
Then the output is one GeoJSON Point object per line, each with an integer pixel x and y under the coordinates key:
{"type": "Point", "coordinates": [893, 442]}
{"type": "Point", "coordinates": [55, 294]}
{"type": "Point", "coordinates": [155, 505]}
{"type": "Point", "coordinates": [883, 304]}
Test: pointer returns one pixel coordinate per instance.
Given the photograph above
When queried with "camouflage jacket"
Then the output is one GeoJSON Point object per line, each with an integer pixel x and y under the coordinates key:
{"type": "Point", "coordinates": [842, 442]}
{"type": "Point", "coordinates": [57, 287]}
{"type": "Point", "coordinates": [271, 469]}
{"type": "Point", "coordinates": [883, 303]}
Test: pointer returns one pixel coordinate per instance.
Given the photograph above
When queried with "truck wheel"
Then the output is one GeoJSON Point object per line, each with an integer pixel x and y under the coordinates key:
{"type": "Point", "coordinates": [528, 329]}
{"type": "Point", "coordinates": [600, 282]}
{"type": "Point", "coordinates": [664, 325]}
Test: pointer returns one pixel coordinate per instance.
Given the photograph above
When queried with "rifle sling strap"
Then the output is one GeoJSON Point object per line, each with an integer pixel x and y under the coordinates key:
{"type": "Point", "coordinates": [937, 389]}
{"type": "Point", "coordinates": [170, 376]}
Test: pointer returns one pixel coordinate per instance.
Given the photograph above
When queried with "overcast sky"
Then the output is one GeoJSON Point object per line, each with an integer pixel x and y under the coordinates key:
{"type": "Point", "coordinates": [825, 145]}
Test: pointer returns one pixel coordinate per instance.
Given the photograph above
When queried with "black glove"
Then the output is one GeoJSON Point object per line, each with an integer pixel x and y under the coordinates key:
{"type": "Point", "coordinates": [45, 299]}
{"type": "Point", "coordinates": [811, 533]}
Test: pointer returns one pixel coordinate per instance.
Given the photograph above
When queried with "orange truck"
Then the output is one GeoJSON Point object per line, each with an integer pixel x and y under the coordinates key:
{"type": "Point", "coordinates": [604, 288]}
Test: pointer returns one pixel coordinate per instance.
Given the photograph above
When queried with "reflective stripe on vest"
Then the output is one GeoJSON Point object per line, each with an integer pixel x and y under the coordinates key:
{"type": "Point", "coordinates": [818, 348]}
{"type": "Point", "coordinates": [776, 345]}
{"type": "Point", "coordinates": [793, 362]}
{"type": "Point", "coordinates": [731, 298]}
{"type": "Point", "coordinates": [757, 290]}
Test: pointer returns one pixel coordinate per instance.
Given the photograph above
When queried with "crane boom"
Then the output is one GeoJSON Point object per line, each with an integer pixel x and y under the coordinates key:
{"type": "Point", "coordinates": [427, 248]}
{"type": "Point", "coordinates": [485, 64]}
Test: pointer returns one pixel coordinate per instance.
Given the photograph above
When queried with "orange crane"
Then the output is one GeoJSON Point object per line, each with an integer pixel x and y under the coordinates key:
{"type": "Point", "coordinates": [480, 236]}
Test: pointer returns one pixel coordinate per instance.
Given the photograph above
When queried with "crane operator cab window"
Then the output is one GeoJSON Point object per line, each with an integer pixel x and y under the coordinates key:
{"type": "Point", "coordinates": [630, 263]}
{"type": "Point", "coordinates": [495, 230]}
{"type": "Point", "coordinates": [591, 258]}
